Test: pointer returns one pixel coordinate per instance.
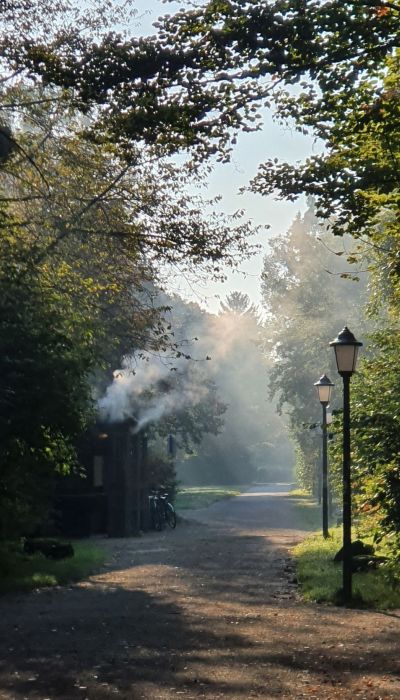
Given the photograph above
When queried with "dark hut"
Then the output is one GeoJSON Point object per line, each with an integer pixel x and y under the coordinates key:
{"type": "Point", "coordinates": [111, 497]}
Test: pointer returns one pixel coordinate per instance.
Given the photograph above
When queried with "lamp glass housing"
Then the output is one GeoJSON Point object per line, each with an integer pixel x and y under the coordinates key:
{"type": "Point", "coordinates": [346, 358]}
{"type": "Point", "coordinates": [324, 393]}
{"type": "Point", "coordinates": [324, 389]}
{"type": "Point", "coordinates": [346, 351]}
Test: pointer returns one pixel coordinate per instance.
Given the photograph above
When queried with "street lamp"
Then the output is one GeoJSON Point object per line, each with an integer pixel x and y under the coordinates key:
{"type": "Point", "coordinates": [346, 352]}
{"type": "Point", "coordinates": [324, 390]}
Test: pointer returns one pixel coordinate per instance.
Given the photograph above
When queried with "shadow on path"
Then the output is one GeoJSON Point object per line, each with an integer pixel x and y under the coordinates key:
{"type": "Point", "coordinates": [206, 611]}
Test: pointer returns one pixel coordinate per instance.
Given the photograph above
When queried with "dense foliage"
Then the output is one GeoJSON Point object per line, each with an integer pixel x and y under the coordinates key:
{"type": "Point", "coordinates": [46, 356]}
{"type": "Point", "coordinates": [375, 395]}
{"type": "Point", "coordinates": [375, 417]}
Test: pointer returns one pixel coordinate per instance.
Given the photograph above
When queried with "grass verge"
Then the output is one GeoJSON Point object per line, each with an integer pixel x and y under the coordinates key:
{"type": "Point", "coordinates": [307, 509]}
{"type": "Point", "coordinates": [203, 496]}
{"type": "Point", "coordinates": [320, 579]}
{"type": "Point", "coordinates": [22, 572]}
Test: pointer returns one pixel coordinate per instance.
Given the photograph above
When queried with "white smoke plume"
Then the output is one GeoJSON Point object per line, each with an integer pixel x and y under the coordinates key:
{"type": "Point", "coordinates": [149, 388]}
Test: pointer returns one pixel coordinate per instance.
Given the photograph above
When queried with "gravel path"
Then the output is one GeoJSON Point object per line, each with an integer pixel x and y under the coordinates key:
{"type": "Point", "coordinates": [209, 610]}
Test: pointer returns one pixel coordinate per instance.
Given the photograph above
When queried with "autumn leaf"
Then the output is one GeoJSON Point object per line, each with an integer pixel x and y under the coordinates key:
{"type": "Point", "coordinates": [381, 11]}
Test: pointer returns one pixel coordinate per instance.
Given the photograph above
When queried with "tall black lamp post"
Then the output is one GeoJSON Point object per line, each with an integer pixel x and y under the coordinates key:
{"type": "Point", "coordinates": [324, 390]}
{"type": "Point", "coordinates": [346, 352]}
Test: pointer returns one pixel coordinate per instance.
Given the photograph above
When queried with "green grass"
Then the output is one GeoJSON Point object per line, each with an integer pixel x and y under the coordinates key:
{"type": "Point", "coordinates": [299, 493]}
{"type": "Point", "coordinates": [22, 572]}
{"type": "Point", "coordinates": [203, 496]}
{"type": "Point", "coordinates": [320, 579]}
{"type": "Point", "coordinates": [309, 512]}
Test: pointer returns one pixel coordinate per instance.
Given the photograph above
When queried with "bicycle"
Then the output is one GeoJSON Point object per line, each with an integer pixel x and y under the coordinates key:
{"type": "Point", "coordinates": [168, 511]}
{"type": "Point", "coordinates": [162, 512]}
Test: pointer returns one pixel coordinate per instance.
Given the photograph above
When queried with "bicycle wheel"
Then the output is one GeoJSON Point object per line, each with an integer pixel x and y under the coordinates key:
{"type": "Point", "coordinates": [158, 519]}
{"type": "Point", "coordinates": [153, 515]}
{"type": "Point", "coordinates": [170, 515]}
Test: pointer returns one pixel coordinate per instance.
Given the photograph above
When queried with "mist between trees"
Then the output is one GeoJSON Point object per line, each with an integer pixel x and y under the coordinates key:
{"type": "Point", "coordinates": [213, 398]}
{"type": "Point", "coordinates": [309, 292]}
{"type": "Point", "coordinates": [249, 380]}
{"type": "Point", "coordinates": [253, 444]}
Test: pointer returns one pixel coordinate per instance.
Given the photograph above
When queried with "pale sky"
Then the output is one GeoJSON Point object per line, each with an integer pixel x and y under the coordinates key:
{"type": "Point", "coordinates": [226, 180]}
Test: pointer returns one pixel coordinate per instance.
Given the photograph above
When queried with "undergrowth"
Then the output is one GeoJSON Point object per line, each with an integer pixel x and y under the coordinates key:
{"type": "Point", "coordinates": [23, 572]}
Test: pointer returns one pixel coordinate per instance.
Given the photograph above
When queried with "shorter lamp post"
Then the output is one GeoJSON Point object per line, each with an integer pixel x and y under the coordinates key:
{"type": "Point", "coordinates": [324, 390]}
{"type": "Point", "coordinates": [346, 352]}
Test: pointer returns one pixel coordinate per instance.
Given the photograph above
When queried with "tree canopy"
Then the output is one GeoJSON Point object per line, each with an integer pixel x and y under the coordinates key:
{"type": "Point", "coordinates": [206, 70]}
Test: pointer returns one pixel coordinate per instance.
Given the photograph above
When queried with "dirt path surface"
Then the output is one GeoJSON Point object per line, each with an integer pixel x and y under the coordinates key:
{"type": "Point", "coordinates": [209, 610]}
